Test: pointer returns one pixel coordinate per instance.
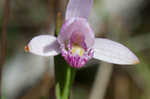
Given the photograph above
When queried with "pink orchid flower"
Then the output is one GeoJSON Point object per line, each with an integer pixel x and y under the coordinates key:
{"type": "Point", "coordinates": [76, 41]}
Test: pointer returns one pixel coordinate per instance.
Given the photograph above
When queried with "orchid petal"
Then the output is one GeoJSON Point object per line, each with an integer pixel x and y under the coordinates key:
{"type": "Point", "coordinates": [74, 25]}
{"type": "Point", "coordinates": [78, 8]}
{"type": "Point", "coordinates": [113, 52]}
{"type": "Point", "coordinates": [44, 45]}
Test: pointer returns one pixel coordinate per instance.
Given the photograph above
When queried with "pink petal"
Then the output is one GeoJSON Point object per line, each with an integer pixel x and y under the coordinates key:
{"type": "Point", "coordinates": [113, 52]}
{"type": "Point", "coordinates": [44, 45]}
{"type": "Point", "coordinates": [78, 8]}
{"type": "Point", "coordinates": [79, 25]}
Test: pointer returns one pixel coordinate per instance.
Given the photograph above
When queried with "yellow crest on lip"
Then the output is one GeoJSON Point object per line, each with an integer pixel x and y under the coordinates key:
{"type": "Point", "coordinates": [77, 50]}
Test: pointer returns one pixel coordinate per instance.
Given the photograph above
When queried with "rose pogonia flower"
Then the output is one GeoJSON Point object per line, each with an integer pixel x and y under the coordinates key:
{"type": "Point", "coordinates": [77, 43]}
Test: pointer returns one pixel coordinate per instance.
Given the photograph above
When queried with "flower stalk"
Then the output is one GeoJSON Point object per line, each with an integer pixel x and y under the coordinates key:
{"type": "Point", "coordinates": [70, 74]}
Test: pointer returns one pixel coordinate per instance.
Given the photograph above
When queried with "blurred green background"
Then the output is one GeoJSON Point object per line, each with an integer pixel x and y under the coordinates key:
{"type": "Point", "coordinates": [27, 76]}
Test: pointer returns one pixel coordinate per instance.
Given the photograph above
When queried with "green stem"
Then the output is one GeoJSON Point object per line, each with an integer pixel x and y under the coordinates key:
{"type": "Point", "coordinates": [70, 74]}
{"type": "Point", "coordinates": [67, 84]}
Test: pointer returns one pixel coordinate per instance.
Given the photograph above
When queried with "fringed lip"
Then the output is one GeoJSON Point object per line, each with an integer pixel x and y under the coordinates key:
{"type": "Point", "coordinates": [75, 60]}
{"type": "Point", "coordinates": [76, 32]}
